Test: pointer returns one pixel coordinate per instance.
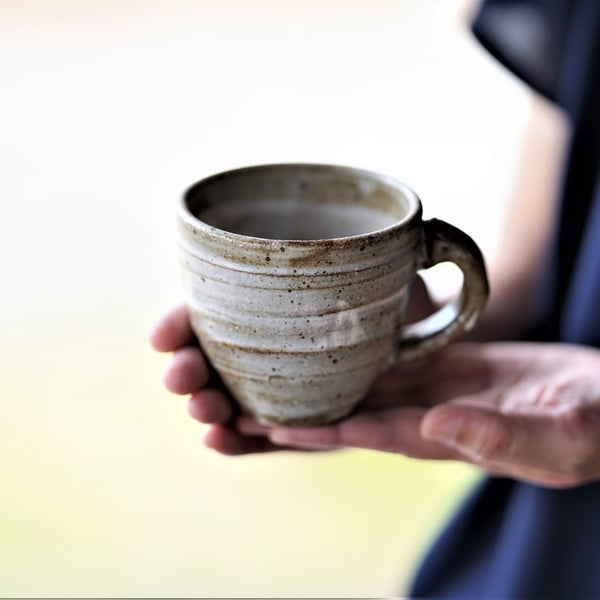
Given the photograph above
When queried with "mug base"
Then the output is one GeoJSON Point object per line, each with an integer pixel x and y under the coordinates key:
{"type": "Point", "coordinates": [326, 418]}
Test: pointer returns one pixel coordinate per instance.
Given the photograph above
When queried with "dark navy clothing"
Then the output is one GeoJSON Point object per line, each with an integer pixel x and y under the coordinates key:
{"type": "Point", "coordinates": [516, 541]}
{"type": "Point", "coordinates": [512, 540]}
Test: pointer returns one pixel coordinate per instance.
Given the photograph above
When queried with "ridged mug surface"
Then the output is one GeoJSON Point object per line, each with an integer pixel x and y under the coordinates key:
{"type": "Point", "coordinates": [298, 329]}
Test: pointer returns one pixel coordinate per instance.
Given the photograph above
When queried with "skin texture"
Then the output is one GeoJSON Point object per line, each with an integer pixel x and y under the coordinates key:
{"type": "Point", "coordinates": [527, 411]}
{"type": "Point", "coordinates": [521, 410]}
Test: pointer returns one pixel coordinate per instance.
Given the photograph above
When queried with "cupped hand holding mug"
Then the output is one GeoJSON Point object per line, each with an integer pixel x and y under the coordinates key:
{"type": "Point", "coordinates": [528, 411]}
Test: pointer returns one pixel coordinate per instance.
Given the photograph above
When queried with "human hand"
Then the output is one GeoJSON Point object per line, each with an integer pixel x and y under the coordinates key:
{"type": "Point", "coordinates": [189, 374]}
{"type": "Point", "coordinates": [229, 432]}
{"type": "Point", "coordinates": [526, 411]}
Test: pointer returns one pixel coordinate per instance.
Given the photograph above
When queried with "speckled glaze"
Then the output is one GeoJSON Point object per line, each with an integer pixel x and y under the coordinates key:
{"type": "Point", "coordinates": [300, 328]}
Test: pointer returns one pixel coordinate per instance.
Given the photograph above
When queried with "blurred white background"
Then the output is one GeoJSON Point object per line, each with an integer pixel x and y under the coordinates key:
{"type": "Point", "coordinates": [108, 111]}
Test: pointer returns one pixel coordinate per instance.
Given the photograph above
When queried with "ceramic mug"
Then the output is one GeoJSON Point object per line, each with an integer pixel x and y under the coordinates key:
{"type": "Point", "coordinates": [297, 277]}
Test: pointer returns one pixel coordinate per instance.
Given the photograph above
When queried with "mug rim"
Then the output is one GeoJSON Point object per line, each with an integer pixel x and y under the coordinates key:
{"type": "Point", "coordinates": [414, 212]}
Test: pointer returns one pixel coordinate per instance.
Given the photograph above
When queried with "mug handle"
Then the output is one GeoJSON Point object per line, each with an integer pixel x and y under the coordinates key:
{"type": "Point", "coordinates": [446, 243]}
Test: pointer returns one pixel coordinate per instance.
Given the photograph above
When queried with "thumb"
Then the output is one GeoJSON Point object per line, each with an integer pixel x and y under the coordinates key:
{"type": "Point", "coordinates": [481, 435]}
{"type": "Point", "coordinates": [538, 448]}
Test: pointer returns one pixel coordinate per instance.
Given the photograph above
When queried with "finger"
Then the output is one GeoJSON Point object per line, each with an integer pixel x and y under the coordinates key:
{"type": "Point", "coordinates": [187, 373]}
{"type": "Point", "coordinates": [546, 449]}
{"type": "Point", "coordinates": [172, 331]}
{"type": "Point", "coordinates": [210, 406]}
{"type": "Point", "coordinates": [229, 442]}
{"type": "Point", "coordinates": [249, 426]}
{"type": "Point", "coordinates": [394, 430]}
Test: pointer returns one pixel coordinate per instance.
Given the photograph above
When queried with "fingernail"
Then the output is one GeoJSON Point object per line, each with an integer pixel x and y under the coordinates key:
{"type": "Point", "coordinates": [445, 431]}
{"type": "Point", "coordinates": [455, 433]}
{"type": "Point", "coordinates": [285, 437]}
{"type": "Point", "coordinates": [281, 436]}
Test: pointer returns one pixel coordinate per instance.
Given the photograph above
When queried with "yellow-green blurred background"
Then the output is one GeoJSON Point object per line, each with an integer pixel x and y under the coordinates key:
{"type": "Point", "coordinates": [108, 110]}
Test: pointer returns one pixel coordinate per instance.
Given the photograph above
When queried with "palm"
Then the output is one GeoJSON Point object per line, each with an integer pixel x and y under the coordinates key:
{"type": "Point", "coordinates": [523, 410]}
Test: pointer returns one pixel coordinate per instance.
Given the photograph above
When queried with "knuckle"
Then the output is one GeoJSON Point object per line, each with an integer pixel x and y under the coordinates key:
{"type": "Point", "coordinates": [581, 457]}
{"type": "Point", "coordinates": [492, 441]}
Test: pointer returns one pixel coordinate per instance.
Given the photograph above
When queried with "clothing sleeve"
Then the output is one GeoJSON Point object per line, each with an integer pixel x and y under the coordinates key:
{"type": "Point", "coordinates": [529, 37]}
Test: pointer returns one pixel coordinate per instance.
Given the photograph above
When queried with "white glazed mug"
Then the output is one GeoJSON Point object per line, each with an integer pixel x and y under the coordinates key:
{"type": "Point", "coordinates": [297, 277]}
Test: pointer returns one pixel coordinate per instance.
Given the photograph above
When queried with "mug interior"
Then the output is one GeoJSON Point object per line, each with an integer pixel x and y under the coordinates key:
{"type": "Point", "coordinates": [300, 202]}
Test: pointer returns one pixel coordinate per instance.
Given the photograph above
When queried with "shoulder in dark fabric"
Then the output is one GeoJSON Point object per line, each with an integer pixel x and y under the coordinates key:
{"type": "Point", "coordinates": [528, 37]}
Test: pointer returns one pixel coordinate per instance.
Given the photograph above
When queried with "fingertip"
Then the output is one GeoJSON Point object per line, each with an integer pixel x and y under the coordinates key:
{"type": "Point", "coordinates": [249, 426]}
{"type": "Point", "coordinates": [315, 438]}
{"type": "Point", "coordinates": [442, 424]}
{"type": "Point", "coordinates": [478, 434]}
{"type": "Point", "coordinates": [281, 435]}
{"type": "Point", "coordinates": [209, 406]}
{"type": "Point", "coordinates": [172, 331]}
{"type": "Point", "coordinates": [157, 336]}
{"type": "Point", "coordinates": [187, 373]}
{"type": "Point", "coordinates": [213, 438]}
{"type": "Point", "coordinates": [225, 441]}
{"type": "Point", "coordinates": [160, 337]}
